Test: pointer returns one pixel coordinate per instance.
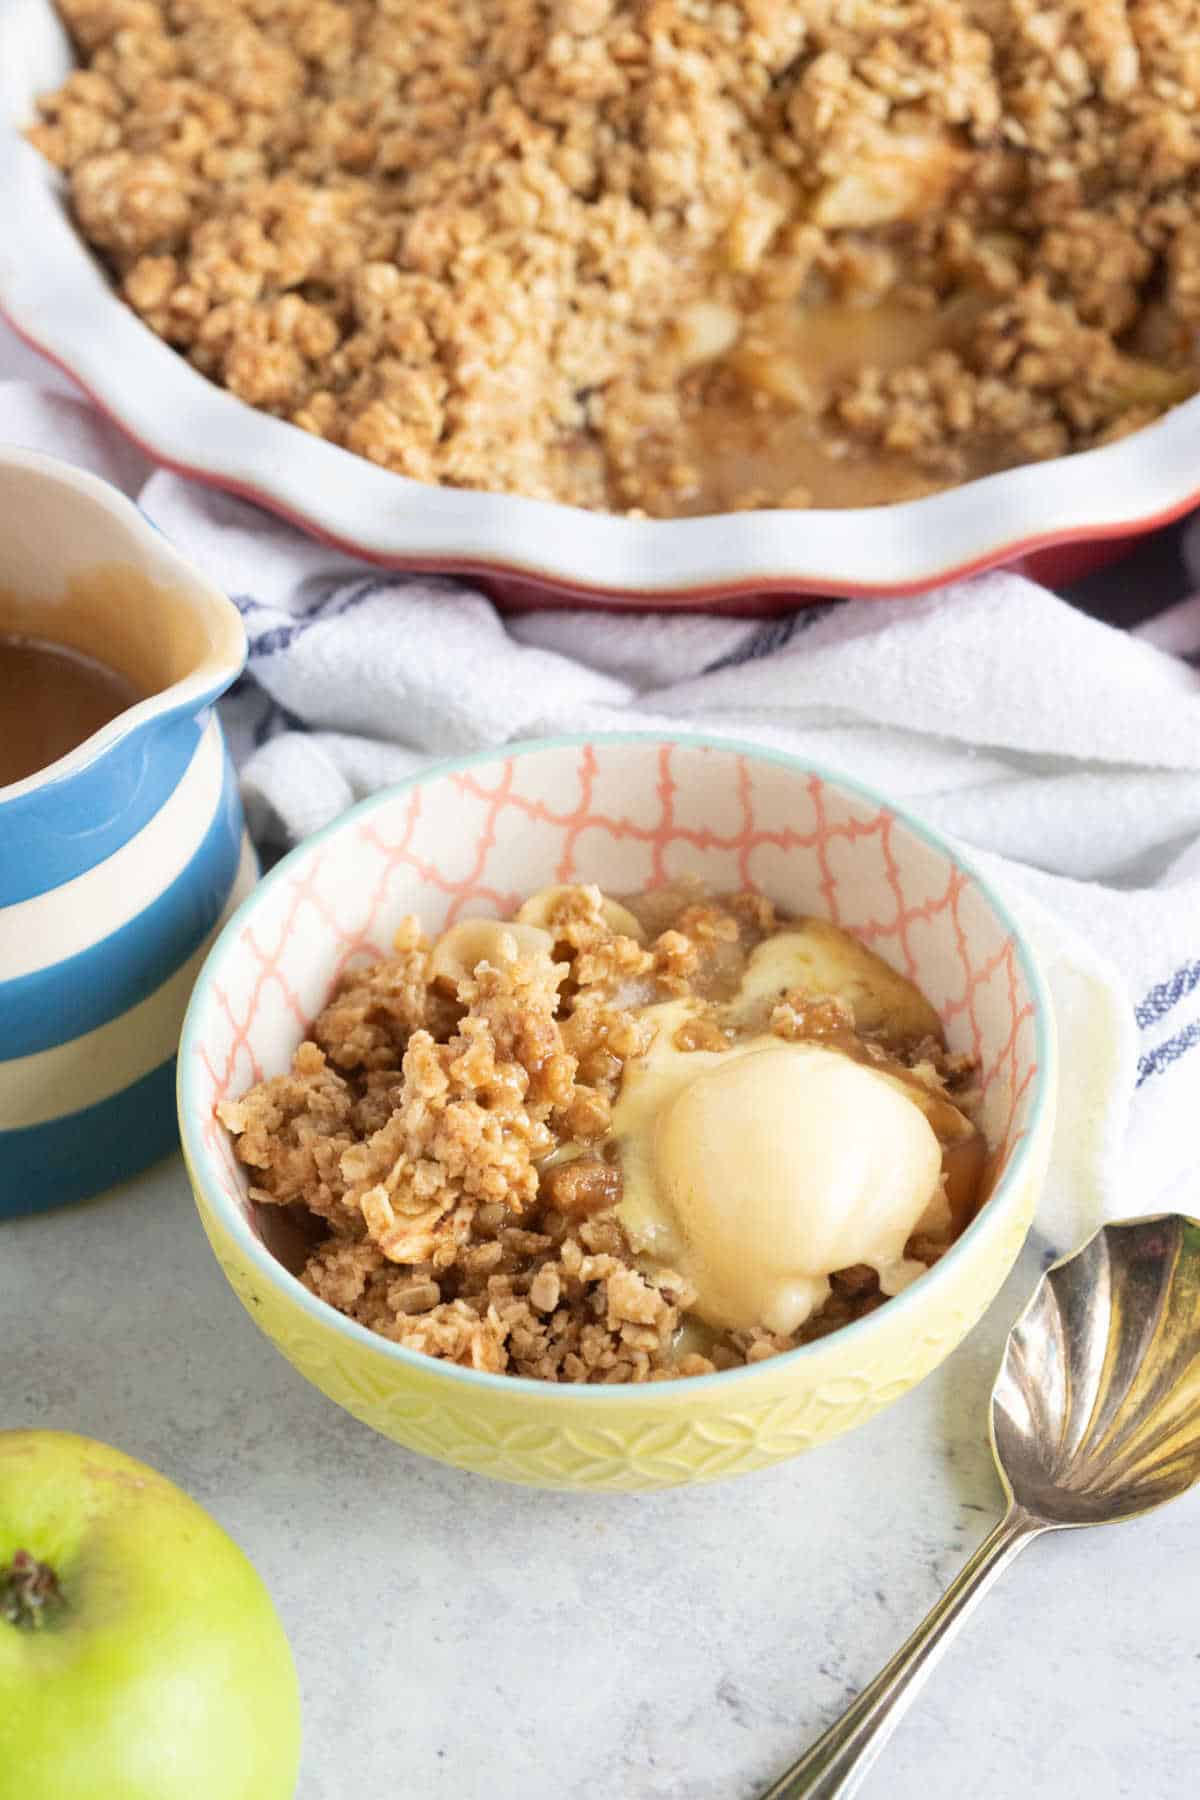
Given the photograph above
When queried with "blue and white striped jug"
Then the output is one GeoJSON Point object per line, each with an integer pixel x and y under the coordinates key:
{"type": "Point", "coordinates": [120, 861]}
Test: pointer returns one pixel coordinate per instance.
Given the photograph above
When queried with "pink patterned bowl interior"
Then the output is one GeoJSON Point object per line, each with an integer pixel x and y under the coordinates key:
{"type": "Point", "coordinates": [628, 812]}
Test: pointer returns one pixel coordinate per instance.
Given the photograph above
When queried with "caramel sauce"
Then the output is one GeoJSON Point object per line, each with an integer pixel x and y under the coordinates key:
{"type": "Point", "coordinates": [51, 699]}
{"type": "Point", "coordinates": [766, 433]}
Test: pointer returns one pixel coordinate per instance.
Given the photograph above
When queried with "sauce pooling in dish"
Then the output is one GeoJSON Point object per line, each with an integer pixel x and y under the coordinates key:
{"type": "Point", "coordinates": [51, 699]}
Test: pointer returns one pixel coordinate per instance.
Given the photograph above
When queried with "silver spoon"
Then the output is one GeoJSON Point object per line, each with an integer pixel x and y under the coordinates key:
{"type": "Point", "coordinates": [1095, 1417]}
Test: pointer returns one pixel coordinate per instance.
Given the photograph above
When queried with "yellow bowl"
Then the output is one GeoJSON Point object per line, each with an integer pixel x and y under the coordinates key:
{"type": "Point", "coordinates": [627, 811]}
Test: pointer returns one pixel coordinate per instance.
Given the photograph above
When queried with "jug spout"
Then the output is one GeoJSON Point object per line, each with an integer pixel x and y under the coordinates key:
{"type": "Point", "coordinates": [83, 570]}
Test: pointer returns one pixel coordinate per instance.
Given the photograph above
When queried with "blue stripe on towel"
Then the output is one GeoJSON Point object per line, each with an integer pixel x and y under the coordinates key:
{"type": "Point", "coordinates": [69, 1158]}
{"type": "Point", "coordinates": [1157, 1003]}
{"type": "Point", "coordinates": [60, 829]}
{"type": "Point", "coordinates": [76, 995]}
{"type": "Point", "coordinates": [772, 636]}
{"type": "Point", "coordinates": [337, 597]}
{"type": "Point", "coordinates": [1166, 1055]}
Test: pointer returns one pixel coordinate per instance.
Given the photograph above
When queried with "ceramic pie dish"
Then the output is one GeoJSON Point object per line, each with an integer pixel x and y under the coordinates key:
{"type": "Point", "coordinates": [633, 811]}
{"type": "Point", "coordinates": [1052, 518]}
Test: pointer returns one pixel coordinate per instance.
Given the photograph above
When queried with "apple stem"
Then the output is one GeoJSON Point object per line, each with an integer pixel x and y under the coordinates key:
{"type": "Point", "coordinates": [28, 1588]}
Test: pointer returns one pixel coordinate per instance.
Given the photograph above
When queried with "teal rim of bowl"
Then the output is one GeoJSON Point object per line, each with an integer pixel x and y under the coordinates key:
{"type": "Point", "coordinates": [195, 1154]}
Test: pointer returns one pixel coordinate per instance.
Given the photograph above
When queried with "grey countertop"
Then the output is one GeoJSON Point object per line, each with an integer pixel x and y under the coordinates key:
{"type": "Point", "coordinates": [462, 1640]}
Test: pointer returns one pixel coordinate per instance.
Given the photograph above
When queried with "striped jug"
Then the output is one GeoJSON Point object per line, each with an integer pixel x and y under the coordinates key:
{"type": "Point", "coordinates": [119, 861]}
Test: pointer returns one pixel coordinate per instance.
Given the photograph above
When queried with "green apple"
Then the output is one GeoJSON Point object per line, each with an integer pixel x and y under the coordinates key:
{"type": "Point", "coordinates": [140, 1655]}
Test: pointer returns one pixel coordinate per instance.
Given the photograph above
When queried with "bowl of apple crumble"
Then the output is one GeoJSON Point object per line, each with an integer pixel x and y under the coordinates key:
{"type": "Point", "coordinates": [618, 1112]}
{"type": "Point", "coordinates": [714, 274]}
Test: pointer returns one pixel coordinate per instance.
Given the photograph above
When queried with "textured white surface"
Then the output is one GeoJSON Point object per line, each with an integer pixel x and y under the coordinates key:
{"type": "Point", "coordinates": [459, 1640]}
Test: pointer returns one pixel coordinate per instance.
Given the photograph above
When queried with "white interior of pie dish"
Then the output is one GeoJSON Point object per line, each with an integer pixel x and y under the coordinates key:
{"type": "Point", "coordinates": [60, 299]}
{"type": "Point", "coordinates": [631, 812]}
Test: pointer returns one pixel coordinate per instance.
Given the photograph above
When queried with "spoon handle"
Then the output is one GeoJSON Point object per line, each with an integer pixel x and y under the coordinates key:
{"type": "Point", "coordinates": [837, 1762]}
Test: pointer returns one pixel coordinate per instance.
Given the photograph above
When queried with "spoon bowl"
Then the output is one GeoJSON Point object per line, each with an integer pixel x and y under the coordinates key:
{"type": "Point", "coordinates": [1095, 1417]}
{"type": "Point", "coordinates": [1096, 1409]}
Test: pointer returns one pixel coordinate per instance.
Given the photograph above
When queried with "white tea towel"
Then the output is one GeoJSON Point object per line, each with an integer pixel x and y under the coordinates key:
{"type": "Point", "coordinates": [1064, 750]}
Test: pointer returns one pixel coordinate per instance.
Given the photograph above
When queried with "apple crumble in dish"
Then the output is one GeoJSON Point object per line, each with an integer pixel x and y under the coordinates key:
{"type": "Point", "coordinates": [657, 256]}
{"type": "Point", "coordinates": [612, 1141]}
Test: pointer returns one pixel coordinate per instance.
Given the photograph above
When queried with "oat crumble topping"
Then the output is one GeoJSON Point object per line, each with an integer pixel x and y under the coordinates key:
{"type": "Point", "coordinates": [656, 255]}
{"type": "Point", "coordinates": [439, 1143]}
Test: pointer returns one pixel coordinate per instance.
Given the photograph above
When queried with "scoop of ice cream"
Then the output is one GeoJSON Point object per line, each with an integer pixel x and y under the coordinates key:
{"type": "Point", "coordinates": [760, 1170]}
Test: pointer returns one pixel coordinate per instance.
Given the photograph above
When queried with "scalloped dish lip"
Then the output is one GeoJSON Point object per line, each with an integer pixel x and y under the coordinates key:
{"type": "Point", "coordinates": [1011, 1180]}
{"type": "Point", "coordinates": [57, 298]}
